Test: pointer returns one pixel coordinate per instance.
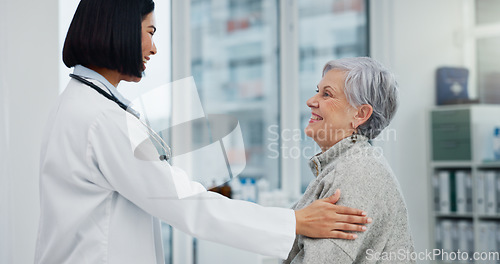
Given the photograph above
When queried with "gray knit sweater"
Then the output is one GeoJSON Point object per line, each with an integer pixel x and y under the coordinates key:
{"type": "Point", "coordinates": [366, 182]}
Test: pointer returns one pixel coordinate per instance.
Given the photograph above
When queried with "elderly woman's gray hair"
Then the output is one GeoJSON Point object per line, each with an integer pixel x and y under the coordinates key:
{"type": "Point", "coordinates": [368, 82]}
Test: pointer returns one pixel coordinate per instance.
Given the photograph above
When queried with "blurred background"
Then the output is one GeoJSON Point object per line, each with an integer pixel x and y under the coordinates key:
{"type": "Point", "coordinates": [260, 60]}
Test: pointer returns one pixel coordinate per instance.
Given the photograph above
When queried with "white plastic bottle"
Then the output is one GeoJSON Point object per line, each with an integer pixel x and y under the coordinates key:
{"type": "Point", "coordinates": [236, 189]}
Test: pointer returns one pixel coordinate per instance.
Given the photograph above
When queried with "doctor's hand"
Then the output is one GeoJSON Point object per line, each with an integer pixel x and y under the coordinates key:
{"type": "Point", "coordinates": [324, 219]}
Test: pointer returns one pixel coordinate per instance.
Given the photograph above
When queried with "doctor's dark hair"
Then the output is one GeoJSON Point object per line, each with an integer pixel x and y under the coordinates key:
{"type": "Point", "coordinates": [368, 82]}
{"type": "Point", "coordinates": [107, 33]}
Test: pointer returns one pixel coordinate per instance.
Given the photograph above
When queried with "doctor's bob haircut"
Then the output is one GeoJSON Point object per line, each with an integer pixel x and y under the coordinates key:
{"type": "Point", "coordinates": [368, 82]}
{"type": "Point", "coordinates": [107, 33]}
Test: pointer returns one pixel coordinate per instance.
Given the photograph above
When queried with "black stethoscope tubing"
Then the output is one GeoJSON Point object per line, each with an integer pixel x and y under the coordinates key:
{"type": "Point", "coordinates": [99, 90]}
{"type": "Point", "coordinates": [111, 97]}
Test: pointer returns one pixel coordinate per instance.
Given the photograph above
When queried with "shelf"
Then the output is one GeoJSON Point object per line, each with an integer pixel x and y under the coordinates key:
{"type": "Point", "coordinates": [452, 126]}
{"type": "Point", "coordinates": [489, 165]}
{"type": "Point", "coordinates": [466, 164]}
{"type": "Point", "coordinates": [451, 164]}
{"type": "Point", "coordinates": [489, 217]}
{"type": "Point", "coordinates": [454, 215]}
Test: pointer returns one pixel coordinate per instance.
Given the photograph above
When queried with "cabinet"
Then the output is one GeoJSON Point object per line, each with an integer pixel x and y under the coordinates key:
{"type": "Point", "coordinates": [465, 183]}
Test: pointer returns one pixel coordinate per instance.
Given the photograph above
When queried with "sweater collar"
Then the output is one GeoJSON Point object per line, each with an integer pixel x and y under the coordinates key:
{"type": "Point", "coordinates": [319, 161]}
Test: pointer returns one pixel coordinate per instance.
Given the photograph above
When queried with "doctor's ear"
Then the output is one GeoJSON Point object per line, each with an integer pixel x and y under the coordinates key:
{"type": "Point", "coordinates": [363, 114]}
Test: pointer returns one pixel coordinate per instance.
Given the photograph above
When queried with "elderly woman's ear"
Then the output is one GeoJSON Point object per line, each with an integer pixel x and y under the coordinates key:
{"type": "Point", "coordinates": [362, 115]}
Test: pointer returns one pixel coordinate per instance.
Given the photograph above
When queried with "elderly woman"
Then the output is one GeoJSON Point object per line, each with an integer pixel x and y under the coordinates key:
{"type": "Point", "coordinates": [355, 100]}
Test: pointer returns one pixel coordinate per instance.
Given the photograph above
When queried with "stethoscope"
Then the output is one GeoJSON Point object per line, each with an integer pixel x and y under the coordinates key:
{"type": "Point", "coordinates": [152, 134]}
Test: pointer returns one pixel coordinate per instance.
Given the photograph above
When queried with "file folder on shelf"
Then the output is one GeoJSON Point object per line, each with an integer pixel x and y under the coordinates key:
{"type": "Point", "coordinates": [465, 236]}
{"type": "Point", "coordinates": [480, 208]}
{"type": "Point", "coordinates": [490, 192]}
{"type": "Point", "coordinates": [444, 191]}
{"type": "Point", "coordinates": [461, 191]}
{"type": "Point", "coordinates": [435, 186]}
{"type": "Point", "coordinates": [498, 193]}
{"type": "Point", "coordinates": [450, 240]}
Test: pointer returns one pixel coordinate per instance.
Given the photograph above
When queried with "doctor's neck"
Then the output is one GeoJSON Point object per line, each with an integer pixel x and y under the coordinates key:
{"type": "Point", "coordinates": [113, 76]}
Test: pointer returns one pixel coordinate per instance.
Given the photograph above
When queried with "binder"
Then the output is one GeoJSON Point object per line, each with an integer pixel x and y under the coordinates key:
{"type": "Point", "coordinates": [453, 193]}
{"type": "Point", "coordinates": [480, 193]}
{"type": "Point", "coordinates": [466, 236]}
{"type": "Point", "coordinates": [498, 193]}
{"type": "Point", "coordinates": [444, 191]}
{"type": "Point", "coordinates": [454, 236]}
{"type": "Point", "coordinates": [492, 237]}
{"type": "Point", "coordinates": [490, 192]}
{"type": "Point", "coordinates": [438, 233]}
{"type": "Point", "coordinates": [498, 234]}
{"type": "Point", "coordinates": [449, 228]}
{"type": "Point", "coordinates": [462, 226]}
{"type": "Point", "coordinates": [461, 192]}
{"type": "Point", "coordinates": [487, 240]}
{"type": "Point", "coordinates": [435, 187]}
{"type": "Point", "coordinates": [482, 244]}
{"type": "Point", "coordinates": [470, 237]}
{"type": "Point", "coordinates": [492, 242]}
{"type": "Point", "coordinates": [468, 192]}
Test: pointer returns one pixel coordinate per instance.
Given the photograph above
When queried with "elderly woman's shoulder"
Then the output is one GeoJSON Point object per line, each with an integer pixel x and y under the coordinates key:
{"type": "Point", "coordinates": [364, 161]}
{"type": "Point", "coordinates": [363, 174]}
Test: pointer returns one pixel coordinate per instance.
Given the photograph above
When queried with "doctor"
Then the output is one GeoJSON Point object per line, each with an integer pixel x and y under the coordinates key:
{"type": "Point", "coordinates": [99, 203]}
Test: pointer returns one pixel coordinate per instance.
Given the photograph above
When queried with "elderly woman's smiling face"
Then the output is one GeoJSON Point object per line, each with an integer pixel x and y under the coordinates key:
{"type": "Point", "coordinates": [332, 117]}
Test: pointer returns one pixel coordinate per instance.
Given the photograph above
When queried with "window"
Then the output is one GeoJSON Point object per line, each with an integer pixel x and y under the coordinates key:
{"type": "Point", "coordinates": [487, 40]}
{"type": "Point", "coordinates": [260, 60]}
{"type": "Point", "coordinates": [234, 62]}
{"type": "Point", "coordinates": [328, 29]}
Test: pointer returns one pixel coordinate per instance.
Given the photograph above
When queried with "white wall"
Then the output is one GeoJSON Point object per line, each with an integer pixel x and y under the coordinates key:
{"type": "Point", "coordinates": [29, 85]}
{"type": "Point", "coordinates": [414, 38]}
{"type": "Point", "coordinates": [67, 9]}
{"type": "Point", "coordinates": [5, 234]}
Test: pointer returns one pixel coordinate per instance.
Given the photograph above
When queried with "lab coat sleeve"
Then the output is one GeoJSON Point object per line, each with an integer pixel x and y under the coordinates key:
{"type": "Point", "coordinates": [167, 193]}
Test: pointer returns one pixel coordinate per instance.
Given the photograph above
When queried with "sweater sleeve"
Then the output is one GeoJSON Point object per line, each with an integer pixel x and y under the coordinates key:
{"type": "Point", "coordinates": [322, 251]}
{"type": "Point", "coordinates": [361, 188]}
{"type": "Point", "coordinates": [369, 185]}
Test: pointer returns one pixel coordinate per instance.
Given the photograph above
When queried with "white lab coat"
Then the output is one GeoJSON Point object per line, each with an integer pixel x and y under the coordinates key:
{"type": "Point", "coordinates": [98, 201]}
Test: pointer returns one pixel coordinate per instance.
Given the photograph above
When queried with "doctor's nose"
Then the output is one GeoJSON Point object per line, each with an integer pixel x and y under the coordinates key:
{"type": "Point", "coordinates": [154, 50]}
